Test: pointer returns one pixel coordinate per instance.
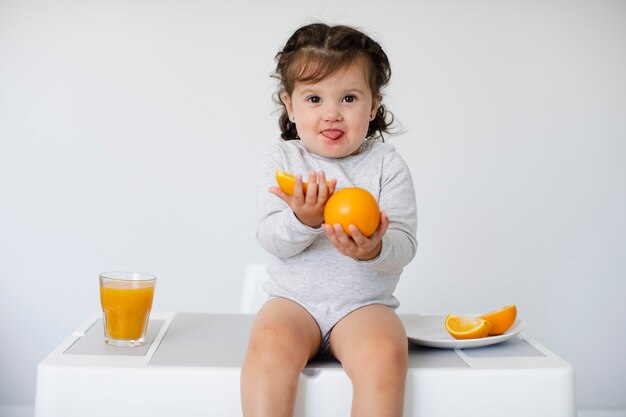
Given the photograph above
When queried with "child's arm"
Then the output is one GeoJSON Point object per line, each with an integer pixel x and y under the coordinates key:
{"type": "Point", "coordinates": [397, 200]}
{"type": "Point", "coordinates": [288, 225]}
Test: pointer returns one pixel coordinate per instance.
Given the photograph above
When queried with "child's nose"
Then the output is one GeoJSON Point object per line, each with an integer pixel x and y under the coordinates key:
{"type": "Point", "coordinates": [332, 113]}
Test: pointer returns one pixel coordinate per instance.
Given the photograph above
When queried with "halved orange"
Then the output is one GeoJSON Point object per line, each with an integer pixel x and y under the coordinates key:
{"type": "Point", "coordinates": [467, 327]}
{"type": "Point", "coordinates": [501, 320]}
{"type": "Point", "coordinates": [287, 182]}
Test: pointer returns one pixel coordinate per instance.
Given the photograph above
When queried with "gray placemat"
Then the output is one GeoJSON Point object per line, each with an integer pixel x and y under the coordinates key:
{"type": "Point", "coordinates": [92, 342]}
{"type": "Point", "coordinates": [512, 348]}
{"type": "Point", "coordinates": [426, 357]}
{"type": "Point", "coordinates": [199, 339]}
{"type": "Point", "coordinates": [221, 340]}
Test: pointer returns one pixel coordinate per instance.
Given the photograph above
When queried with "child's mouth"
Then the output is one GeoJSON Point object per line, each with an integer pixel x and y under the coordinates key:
{"type": "Point", "coordinates": [332, 134]}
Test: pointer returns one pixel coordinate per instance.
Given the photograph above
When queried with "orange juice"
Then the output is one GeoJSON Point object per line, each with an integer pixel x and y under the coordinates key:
{"type": "Point", "coordinates": [126, 311]}
{"type": "Point", "coordinates": [126, 299]}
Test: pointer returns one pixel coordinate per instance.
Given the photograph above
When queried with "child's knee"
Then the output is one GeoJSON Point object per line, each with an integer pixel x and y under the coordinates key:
{"type": "Point", "coordinates": [391, 350]}
{"type": "Point", "coordinates": [383, 355]}
{"type": "Point", "coordinates": [274, 344]}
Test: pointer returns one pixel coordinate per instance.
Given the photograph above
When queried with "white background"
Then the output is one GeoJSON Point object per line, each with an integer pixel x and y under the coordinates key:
{"type": "Point", "coordinates": [131, 134]}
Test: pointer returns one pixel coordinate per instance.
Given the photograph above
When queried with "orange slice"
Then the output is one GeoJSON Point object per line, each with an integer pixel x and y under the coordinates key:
{"type": "Point", "coordinates": [466, 327]}
{"type": "Point", "coordinates": [287, 182]}
{"type": "Point", "coordinates": [501, 320]}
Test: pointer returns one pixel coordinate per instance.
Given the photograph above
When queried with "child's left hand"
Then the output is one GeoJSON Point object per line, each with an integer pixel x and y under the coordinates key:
{"type": "Point", "coordinates": [358, 246]}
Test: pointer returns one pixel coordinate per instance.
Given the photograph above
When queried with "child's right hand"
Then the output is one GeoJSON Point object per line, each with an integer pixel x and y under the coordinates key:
{"type": "Point", "coordinates": [309, 207]}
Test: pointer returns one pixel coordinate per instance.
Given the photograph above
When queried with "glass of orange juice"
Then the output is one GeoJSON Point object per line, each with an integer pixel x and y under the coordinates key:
{"type": "Point", "coordinates": [126, 299]}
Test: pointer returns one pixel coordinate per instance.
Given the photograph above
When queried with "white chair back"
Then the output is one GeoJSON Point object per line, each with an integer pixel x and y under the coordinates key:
{"type": "Point", "coordinates": [252, 295]}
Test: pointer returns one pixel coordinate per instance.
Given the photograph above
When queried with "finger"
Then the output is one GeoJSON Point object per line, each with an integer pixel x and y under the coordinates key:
{"type": "Point", "coordinates": [332, 186]}
{"type": "Point", "coordinates": [342, 237]}
{"type": "Point", "coordinates": [384, 223]}
{"type": "Point", "coordinates": [322, 191]}
{"type": "Point", "coordinates": [359, 238]}
{"type": "Point", "coordinates": [298, 193]}
{"type": "Point", "coordinates": [331, 234]}
{"type": "Point", "coordinates": [280, 194]}
{"type": "Point", "coordinates": [328, 231]}
{"type": "Point", "coordinates": [311, 192]}
{"type": "Point", "coordinates": [340, 240]}
{"type": "Point", "coordinates": [382, 226]}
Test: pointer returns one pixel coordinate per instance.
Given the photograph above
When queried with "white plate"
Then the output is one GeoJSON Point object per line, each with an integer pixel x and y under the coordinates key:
{"type": "Point", "coordinates": [431, 331]}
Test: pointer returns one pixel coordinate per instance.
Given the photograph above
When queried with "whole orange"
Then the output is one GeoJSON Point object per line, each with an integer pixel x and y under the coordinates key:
{"type": "Point", "coordinates": [353, 206]}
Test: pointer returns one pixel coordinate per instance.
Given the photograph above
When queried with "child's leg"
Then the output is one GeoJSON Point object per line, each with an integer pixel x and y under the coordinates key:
{"type": "Point", "coordinates": [284, 337]}
{"type": "Point", "coordinates": [372, 346]}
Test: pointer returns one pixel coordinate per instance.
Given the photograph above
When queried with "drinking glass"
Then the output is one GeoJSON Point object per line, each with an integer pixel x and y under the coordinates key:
{"type": "Point", "coordinates": [126, 299]}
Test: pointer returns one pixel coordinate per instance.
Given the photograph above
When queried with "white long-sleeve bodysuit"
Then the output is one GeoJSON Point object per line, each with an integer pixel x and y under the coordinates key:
{"type": "Point", "coordinates": [305, 266]}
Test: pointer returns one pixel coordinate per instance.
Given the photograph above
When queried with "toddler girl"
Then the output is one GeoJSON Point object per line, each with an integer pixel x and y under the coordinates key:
{"type": "Point", "coordinates": [331, 294]}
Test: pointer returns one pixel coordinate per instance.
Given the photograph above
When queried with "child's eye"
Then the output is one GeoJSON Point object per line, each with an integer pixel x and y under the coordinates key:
{"type": "Point", "coordinates": [314, 99]}
{"type": "Point", "coordinates": [349, 99]}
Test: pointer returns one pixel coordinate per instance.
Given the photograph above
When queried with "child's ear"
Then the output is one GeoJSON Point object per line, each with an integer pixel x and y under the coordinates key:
{"type": "Point", "coordinates": [375, 103]}
{"type": "Point", "coordinates": [286, 99]}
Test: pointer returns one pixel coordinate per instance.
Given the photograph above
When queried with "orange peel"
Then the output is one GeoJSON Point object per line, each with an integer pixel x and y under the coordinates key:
{"type": "Point", "coordinates": [501, 320]}
{"type": "Point", "coordinates": [355, 206]}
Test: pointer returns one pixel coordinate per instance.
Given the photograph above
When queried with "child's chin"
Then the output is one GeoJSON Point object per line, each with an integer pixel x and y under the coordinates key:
{"type": "Point", "coordinates": [338, 152]}
{"type": "Point", "coordinates": [334, 155]}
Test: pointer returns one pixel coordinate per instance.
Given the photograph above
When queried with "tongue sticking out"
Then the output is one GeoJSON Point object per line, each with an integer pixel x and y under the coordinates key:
{"type": "Point", "coordinates": [332, 133]}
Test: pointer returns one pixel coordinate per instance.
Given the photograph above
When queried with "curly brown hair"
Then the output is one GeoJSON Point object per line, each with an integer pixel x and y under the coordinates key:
{"type": "Point", "coordinates": [317, 50]}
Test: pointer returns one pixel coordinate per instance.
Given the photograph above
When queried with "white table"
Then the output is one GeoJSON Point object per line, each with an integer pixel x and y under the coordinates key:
{"type": "Point", "coordinates": [191, 367]}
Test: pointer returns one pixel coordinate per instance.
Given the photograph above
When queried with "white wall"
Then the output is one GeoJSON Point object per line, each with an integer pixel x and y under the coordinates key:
{"type": "Point", "coordinates": [131, 131]}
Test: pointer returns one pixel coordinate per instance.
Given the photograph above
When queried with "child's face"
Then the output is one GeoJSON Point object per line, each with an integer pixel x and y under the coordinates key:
{"type": "Point", "coordinates": [332, 115]}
